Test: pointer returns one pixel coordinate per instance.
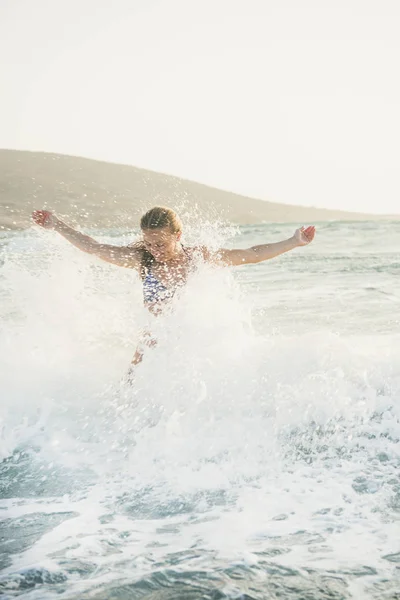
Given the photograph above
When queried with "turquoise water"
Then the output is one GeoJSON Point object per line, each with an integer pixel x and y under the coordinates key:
{"type": "Point", "coordinates": [256, 454]}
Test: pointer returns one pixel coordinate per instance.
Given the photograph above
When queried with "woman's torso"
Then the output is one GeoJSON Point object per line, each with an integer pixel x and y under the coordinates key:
{"type": "Point", "coordinates": [162, 280]}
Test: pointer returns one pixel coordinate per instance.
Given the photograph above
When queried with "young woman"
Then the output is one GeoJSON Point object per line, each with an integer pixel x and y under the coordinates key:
{"type": "Point", "coordinates": [161, 259]}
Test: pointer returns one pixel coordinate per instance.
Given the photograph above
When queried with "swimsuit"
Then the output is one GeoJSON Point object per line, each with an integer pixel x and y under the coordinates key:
{"type": "Point", "coordinates": [154, 291]}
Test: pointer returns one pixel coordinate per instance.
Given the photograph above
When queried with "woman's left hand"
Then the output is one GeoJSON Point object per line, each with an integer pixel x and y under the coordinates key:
{"type": "Point", "coordinates": [304, 235]}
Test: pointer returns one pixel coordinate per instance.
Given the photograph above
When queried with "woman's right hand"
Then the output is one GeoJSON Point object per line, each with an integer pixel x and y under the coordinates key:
{"type": "Point", "coordinates": [45, 219]}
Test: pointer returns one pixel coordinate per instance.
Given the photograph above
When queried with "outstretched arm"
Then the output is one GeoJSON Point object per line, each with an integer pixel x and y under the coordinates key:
{"type": "Point", "coordinates": [256, 254]}
{"type": "Point", "coordinates": [123, 256]}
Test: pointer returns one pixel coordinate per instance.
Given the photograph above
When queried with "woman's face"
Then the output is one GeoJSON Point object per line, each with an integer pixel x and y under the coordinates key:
{"type": "Point", "coordinates": [161, 243]}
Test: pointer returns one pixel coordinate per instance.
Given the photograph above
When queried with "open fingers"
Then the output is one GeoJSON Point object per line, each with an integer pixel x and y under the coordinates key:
{"type": "Point", "coordinates": [309, 232]}
{"type": "Point", "coordinates": [40, 217]}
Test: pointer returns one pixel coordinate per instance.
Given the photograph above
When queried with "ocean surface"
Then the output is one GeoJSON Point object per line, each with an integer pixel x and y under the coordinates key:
{"type": "Point", "coordinates": [254, 456]}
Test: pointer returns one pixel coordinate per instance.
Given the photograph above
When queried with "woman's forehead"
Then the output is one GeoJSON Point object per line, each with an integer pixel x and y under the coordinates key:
{"type": "Point", "coordinates": [155, 235]}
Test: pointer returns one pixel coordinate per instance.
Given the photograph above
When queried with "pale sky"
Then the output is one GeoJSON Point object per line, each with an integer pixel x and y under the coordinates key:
{"type": "Point", "coordinates": [294, 101]}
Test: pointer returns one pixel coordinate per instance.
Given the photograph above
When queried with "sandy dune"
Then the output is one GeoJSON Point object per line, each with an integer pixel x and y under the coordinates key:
{"type": "Point", "coordinates": [101, 194]}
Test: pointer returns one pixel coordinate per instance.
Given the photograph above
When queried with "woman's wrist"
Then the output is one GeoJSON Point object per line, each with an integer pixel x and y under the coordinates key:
{"type": "Point", "coordinates": [58, 224]}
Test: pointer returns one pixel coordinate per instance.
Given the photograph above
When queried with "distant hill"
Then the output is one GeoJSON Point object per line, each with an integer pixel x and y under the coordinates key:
{"type": "Point", "coordinates": [101, 194]}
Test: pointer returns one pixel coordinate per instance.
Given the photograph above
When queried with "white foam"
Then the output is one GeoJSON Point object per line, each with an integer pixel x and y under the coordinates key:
{"type": "Point", "coordinates": [283, 425]}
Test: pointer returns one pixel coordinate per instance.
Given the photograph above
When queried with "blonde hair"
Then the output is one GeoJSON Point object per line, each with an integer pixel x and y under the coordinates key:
{"type": "Point", "coordinates": [159, 217]}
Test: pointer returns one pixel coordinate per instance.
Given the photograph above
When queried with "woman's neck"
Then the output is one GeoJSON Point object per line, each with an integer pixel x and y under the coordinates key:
{"type": "Point", "coordinates": [175, 258]}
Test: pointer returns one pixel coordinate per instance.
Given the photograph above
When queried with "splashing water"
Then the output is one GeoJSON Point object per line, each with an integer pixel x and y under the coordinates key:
{"type": "Point", "coordinates": [256, 452]}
